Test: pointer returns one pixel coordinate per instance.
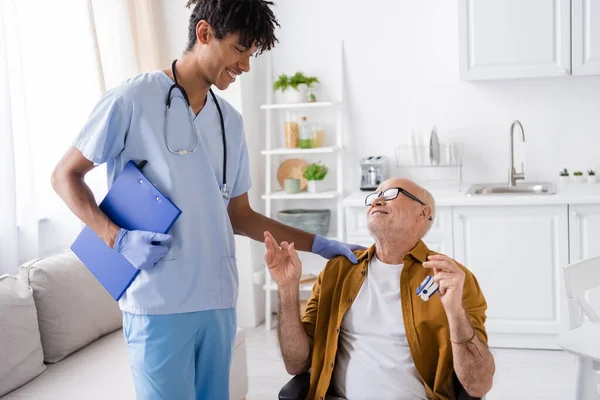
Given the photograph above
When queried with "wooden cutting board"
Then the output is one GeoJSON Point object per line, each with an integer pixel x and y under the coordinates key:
{"type": "Point", "coordinates": [292, 168]}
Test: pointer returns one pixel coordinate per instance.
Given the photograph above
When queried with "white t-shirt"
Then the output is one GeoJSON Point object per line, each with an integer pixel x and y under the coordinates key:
{"type": "Point", "coordinates": [373, 358]}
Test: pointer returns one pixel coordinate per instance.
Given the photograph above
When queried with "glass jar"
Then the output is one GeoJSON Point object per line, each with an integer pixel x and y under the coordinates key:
{"type": "Point", "coordinates": [311, 94]}
{"type": "Point", "coordinates": [305, 134]}
{"type": "Point", "coordinates": [291, 130]}
{"type": "Point", "coordinates": [318, 135]}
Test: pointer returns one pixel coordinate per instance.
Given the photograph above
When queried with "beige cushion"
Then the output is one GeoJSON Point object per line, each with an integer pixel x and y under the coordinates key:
{"type": "Point", "coordinates": [73, 308]}
{"type": "Point", "coordinates": [102, 371]}
{"type": "Point", "coordinates": [21, 356]}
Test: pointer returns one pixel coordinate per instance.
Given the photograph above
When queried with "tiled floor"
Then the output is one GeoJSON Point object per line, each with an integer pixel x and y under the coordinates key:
{"type": "Point", "coordinates": [520, 374]}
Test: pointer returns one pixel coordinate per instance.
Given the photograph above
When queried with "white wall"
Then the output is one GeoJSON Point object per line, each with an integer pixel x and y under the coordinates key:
{"type": "Point", "coordinates": [402, 72]}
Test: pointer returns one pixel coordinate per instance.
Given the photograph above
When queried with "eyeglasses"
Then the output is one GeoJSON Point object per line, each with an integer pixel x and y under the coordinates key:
{"type": "Point", "coordinates": [391, 194]}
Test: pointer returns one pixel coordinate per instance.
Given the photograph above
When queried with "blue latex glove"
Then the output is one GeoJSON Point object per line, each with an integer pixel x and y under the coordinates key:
{"type": "Point", "coordinates": [332, 248]}
{"type": "Point", "coordinates": [139, 249]}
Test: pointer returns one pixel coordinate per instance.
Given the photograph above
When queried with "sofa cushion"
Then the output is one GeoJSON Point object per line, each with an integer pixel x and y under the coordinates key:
{"type": "Point", "coordinates": [21, 356]}
{"type": "Point", "coordinates": [73, 308]}
{"type": "Point", "coordinates": [102, 371]}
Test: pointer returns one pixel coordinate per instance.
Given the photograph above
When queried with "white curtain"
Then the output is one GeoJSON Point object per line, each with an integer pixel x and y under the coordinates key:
{"type": "Point", "coordinates": [129, 37]}
{"type": "Point", "coordinates": [56, 59]}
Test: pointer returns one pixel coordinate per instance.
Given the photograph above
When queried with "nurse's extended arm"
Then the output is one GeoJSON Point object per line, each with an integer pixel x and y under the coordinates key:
{"type": "Point", "coordinates": [247, 222]}
{"type": "Point", "coordinates": [142, 249]}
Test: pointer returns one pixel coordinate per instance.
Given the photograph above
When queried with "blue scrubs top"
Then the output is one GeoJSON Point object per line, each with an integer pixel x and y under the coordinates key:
{"type": "Point", "coordinates": [199, 272]}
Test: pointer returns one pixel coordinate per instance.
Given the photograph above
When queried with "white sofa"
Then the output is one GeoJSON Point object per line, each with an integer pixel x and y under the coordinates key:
{"type": "Point", "coordinates": [61, 337]}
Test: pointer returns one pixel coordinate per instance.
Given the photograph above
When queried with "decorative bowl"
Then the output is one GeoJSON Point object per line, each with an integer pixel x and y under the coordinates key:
{"type": "Point", "coordinates": [314, 221]}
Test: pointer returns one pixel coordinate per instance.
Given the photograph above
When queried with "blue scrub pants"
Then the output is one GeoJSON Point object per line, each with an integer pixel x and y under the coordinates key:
{"type": "Point", "coordinates": [181, 356]}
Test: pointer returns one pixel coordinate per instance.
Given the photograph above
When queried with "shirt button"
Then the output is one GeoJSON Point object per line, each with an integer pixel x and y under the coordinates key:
{"type": "Point", "coordinates": [331, 365]}
{"type": "Point", "coordinates": [321, 398]}
{"type": "Point", "coordinates": [363, 273]}
{"type": "Point", "coordinates": [337, 330]}
{"type": "Point", "coordinates": [349, 299]}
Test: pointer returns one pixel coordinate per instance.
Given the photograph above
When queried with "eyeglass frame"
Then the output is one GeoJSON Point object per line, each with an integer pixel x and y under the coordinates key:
{"type": "Point", "coordinates": [400, 190]}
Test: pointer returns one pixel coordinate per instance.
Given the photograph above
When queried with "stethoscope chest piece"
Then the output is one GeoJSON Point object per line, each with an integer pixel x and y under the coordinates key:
{"type": "Point", "coordinates": [225, 192]}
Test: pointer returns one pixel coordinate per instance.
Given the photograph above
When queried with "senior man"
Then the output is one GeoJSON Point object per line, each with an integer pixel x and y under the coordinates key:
{"type": "Point", "coordinates": [365, 333]}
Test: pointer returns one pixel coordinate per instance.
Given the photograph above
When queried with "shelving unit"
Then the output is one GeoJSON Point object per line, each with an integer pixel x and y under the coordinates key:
{"type": "Point", "coordinates": [292, 106]}
{"type": "Point", "coordinates": [298, 152]}
{"type": "Point", "coordinates": [301, 196]}
{"type": "Point", "coordinates": [271, 194]}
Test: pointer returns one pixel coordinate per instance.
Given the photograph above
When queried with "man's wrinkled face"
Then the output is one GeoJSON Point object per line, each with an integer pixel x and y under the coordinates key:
{"type": "Point", "coordinates": [394, 216]}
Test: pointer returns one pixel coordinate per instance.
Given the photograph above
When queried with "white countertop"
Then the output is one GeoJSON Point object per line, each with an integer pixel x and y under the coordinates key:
{"type": "Point", "coordinates": [583, 193]}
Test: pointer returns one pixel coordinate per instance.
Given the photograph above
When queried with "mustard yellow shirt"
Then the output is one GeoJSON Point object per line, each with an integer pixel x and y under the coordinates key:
{"type": "Point", "coordinates": [426, 324]}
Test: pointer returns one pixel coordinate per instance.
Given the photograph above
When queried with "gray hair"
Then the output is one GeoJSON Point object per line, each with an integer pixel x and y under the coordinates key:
{"type": "Point", "coordinates": [426, 197]}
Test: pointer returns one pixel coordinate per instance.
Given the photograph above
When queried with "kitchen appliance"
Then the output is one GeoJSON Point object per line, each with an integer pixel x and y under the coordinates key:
{"type": "Point", "coordinates": [373, 171]}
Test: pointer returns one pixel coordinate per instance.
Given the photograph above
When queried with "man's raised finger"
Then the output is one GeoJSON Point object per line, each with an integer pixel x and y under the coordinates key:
{"type": "Point", "coordinates": [442, 259]}
{"type": "Point", "coordinates": [442, 265]}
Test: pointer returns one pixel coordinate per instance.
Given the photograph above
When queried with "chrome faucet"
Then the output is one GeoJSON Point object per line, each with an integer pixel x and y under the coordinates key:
{"type": "Point", "coordinates": [513, 175]}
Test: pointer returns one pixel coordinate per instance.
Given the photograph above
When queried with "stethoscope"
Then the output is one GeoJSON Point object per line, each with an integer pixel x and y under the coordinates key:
{"type": "Point", "coordinates": [224, 191]}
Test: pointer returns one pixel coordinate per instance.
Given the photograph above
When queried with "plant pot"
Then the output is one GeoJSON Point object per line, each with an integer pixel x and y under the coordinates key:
{"type": "Point", "coordinates": [292, 185]}
{"type": "Point", "coordinates": [577, 178]}
{"type": "Point", "coordinates": [591, 178]}
{"type": "Point", "coordinates": [315, 186]}
{"type": "Point", "coordinates": [292, 95]}
{"type": "Point", "coordinates": [563, 180]}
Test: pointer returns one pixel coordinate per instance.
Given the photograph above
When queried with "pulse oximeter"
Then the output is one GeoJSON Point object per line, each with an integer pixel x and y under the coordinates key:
{"type": "Point", "coordinates": [427, 288]}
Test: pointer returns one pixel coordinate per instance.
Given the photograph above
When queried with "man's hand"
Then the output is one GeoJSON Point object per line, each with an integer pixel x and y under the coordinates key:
{"type": "Point", "coordinates": [283, 262]}
{"type": "Point", "coordinates": [451, 280]}
{"type": "Point", "coordinates": [141, 248]}
{"type": "Point", "coordinates": [473, 363]}
{"type": "Point", "coordinates": [332, 248]}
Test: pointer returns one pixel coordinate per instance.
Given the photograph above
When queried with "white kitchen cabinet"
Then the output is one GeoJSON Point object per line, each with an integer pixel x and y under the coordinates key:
{"type": "Point", "coordinates": [586, 37]}
{"type": "Point", "coordinates": [584, 231]}
{"type": "Point", "coordinates": [356, 225]}
{"type": "Point", "coordinates": [584, 239]}
{"type": "Point", "coordinates": [518, 38]}
{"type": "Point", "coordinates": [439, 238]}
{"type": "Point", "coordinates": [517, 253]}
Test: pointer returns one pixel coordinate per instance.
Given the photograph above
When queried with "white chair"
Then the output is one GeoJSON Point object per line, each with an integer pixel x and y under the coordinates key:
{"type": "Point", "coordinates": [583, 340]}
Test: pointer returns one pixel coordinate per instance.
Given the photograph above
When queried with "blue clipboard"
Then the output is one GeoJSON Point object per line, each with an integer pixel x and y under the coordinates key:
{"type": "Point", "coordinates": [132, 203]}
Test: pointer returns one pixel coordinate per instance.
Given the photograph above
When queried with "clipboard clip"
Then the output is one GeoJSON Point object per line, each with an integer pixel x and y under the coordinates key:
{"type": "Point", "coordinates": [142, 164]}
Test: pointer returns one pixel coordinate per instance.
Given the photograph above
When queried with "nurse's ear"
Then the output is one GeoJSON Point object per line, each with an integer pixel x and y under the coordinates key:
{"type": "Point", "coordinates": [203, 32]}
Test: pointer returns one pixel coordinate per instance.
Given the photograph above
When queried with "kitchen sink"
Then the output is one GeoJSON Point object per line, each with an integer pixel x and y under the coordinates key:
{"type": "Point", "coordinates": [521, 188]}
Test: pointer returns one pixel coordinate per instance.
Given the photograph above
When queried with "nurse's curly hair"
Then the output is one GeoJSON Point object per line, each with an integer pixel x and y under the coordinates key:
{"type": "Point", "coordinates": [253, 19]}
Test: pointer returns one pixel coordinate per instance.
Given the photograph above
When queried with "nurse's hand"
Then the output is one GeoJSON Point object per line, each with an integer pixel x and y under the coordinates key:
{"type": "Point", "coordinates": [283, 262]}
{"type": "Point", "coordinates": [329, 249]}
{"type": "Point", "coordinates": [142, 249]}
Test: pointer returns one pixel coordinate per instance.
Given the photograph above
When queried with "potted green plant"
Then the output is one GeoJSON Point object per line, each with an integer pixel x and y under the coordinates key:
{"type": "Point", "coordinates": [564, 176]}
{"type": "Point", "coordinates": [305, 84]}
{"type": "Point", "coordinates": [282, 83]}
{"type": "Point", "coordinates": [591, 178]}
{"type": "Point", "coordinates": [577, 176]}
{"type": "Point", "coordinates": [314, 174]}
{"type": "Point", "coordinates": [296, 88]}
